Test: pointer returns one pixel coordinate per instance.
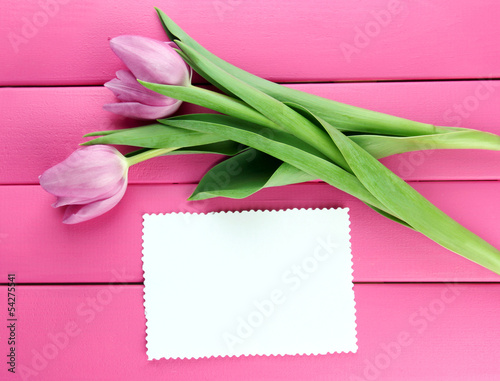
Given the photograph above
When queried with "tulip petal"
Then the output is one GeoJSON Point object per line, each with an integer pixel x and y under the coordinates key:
{"type": "Point", "coordinates": [79, 213]}
{"type": "Point", "coordinates": [151, 60]}
{"type": "Point", "coordinates": [190, 69]}
{"type": "Point", "coordinates": [140, 111]}
{"type": "Point", "coordinates": [63, 201]}
{"type": "Point", "coordinates": [87, 174]}
{"type": "Point", "coordinates": [127, 89]}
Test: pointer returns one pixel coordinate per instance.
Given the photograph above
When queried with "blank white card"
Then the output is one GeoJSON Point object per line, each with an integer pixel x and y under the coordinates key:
{"type": "Point", "coordinates": [248, 283]}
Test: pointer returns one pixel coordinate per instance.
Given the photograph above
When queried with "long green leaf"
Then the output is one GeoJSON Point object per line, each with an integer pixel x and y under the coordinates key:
{"type": "Point", "coordinates": [156, 136]}
{"type": "Point", "coordinates": [274, 110]}
{"type": "Point", "coordinates": [395, 195]}
{"type": "Point", "coordinates": [284, 147]}
{"type": "Point", "coordinates": [242, 175]}
{"type": "Point", "coordinates": [411, 206]}
{"type": "Point", "coordinates": [202, 73]}
{"type": "Point", "coordinates": [238, 177]}
{"type": "Point", "coordinates": [245, 174]}
{"type": "Point", "coordinates": [378, 146]}
{"type": "Point", "coordinates": [344, 117]}
{"type": "Point", "coordinates": [212, 100]}
{"type": "Point", "coordinates": [381, 146]}
{"type": "Point", "coordinates": [285, 174]}
{"type": "Point", "coordinates": [226, 147]}
{"type": "Point", "coordinates": [280, 145]}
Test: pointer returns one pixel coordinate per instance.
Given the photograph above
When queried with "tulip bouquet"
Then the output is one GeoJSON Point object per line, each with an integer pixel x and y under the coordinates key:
{"type": "Point", "coordinates": [274, 134]}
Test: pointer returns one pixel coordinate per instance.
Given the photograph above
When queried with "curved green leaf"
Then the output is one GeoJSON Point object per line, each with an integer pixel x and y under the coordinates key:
{"type": "Point", "coordinates": [156, 136]}
{"type": "Point", "coordinates": [272, 109]}
{"type": "Point", "coordinates": [280, 145]}
{"type": "Point", "coordinates": [237, 177]}
{"type": "Point", "coordinates": [378, 146]}
{"type": "Point", "coordinates": [411, 206]}
{"type": "Point", "coordinates": [343, 116]}
{"type": "Point", "coordinates": [214, 101]}
{"type": "Point", "coordinates": [382, 146]}
{"type": "Point", "coordinates": [245, 174]}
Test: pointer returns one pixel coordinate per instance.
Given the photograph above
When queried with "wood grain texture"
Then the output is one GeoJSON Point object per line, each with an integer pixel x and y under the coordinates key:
{"type": "Point", "coordinates": [39, 248]}
{"type": "Point", "coordinates": [63, 42]}
{"type": "Point", "coordinates": [407, 332]}
{"type": "Point", "coordinates": [42, 126]}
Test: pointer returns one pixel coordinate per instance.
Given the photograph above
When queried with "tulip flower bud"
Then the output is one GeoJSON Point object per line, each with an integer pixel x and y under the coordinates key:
{"type": "Point", "coordinates": [148, 60]}
{"type": "Point", "coordinates": [91, 181]}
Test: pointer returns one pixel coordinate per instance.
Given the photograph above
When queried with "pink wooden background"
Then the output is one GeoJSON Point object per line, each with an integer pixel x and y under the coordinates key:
{"type": "Point", "coordinates": [422, 312]}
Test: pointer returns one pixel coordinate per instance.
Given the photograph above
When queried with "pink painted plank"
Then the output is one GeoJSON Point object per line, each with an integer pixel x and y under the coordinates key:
{"type": "Point", "coordinates": [42, 126]}
{"type": "Point", "coordinates": [405, 331]}
{"type": "Point", "coordinates": [39, 248]}
{"type": "Point", "coordinates": [62, 42]}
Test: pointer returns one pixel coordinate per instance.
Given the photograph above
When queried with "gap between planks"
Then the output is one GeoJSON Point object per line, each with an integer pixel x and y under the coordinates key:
{"type": "Point", "coordinates": [294, 82]}
{"type": "Point", "coordinates": [142, 283]}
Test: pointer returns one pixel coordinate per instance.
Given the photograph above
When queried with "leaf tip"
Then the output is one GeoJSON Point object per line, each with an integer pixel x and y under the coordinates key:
{"type": "Point", "coordinates": [193, 196]}
{"type": "Point", "coordinates": [199, 196]}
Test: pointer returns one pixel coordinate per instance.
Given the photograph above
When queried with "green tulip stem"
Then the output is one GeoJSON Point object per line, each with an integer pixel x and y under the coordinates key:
{"type": "Point", "coordinates": [149, 154]}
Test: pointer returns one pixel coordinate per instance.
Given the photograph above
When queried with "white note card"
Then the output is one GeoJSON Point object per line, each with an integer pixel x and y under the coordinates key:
{"type": "Point", "coordinates": [248, 283]}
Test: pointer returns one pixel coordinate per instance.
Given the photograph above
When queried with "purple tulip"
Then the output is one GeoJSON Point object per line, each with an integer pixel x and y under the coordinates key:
{"type": "Point", "coordinates": [148, 60]}
{"type": "Point", "coordinates": [91, 181]}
